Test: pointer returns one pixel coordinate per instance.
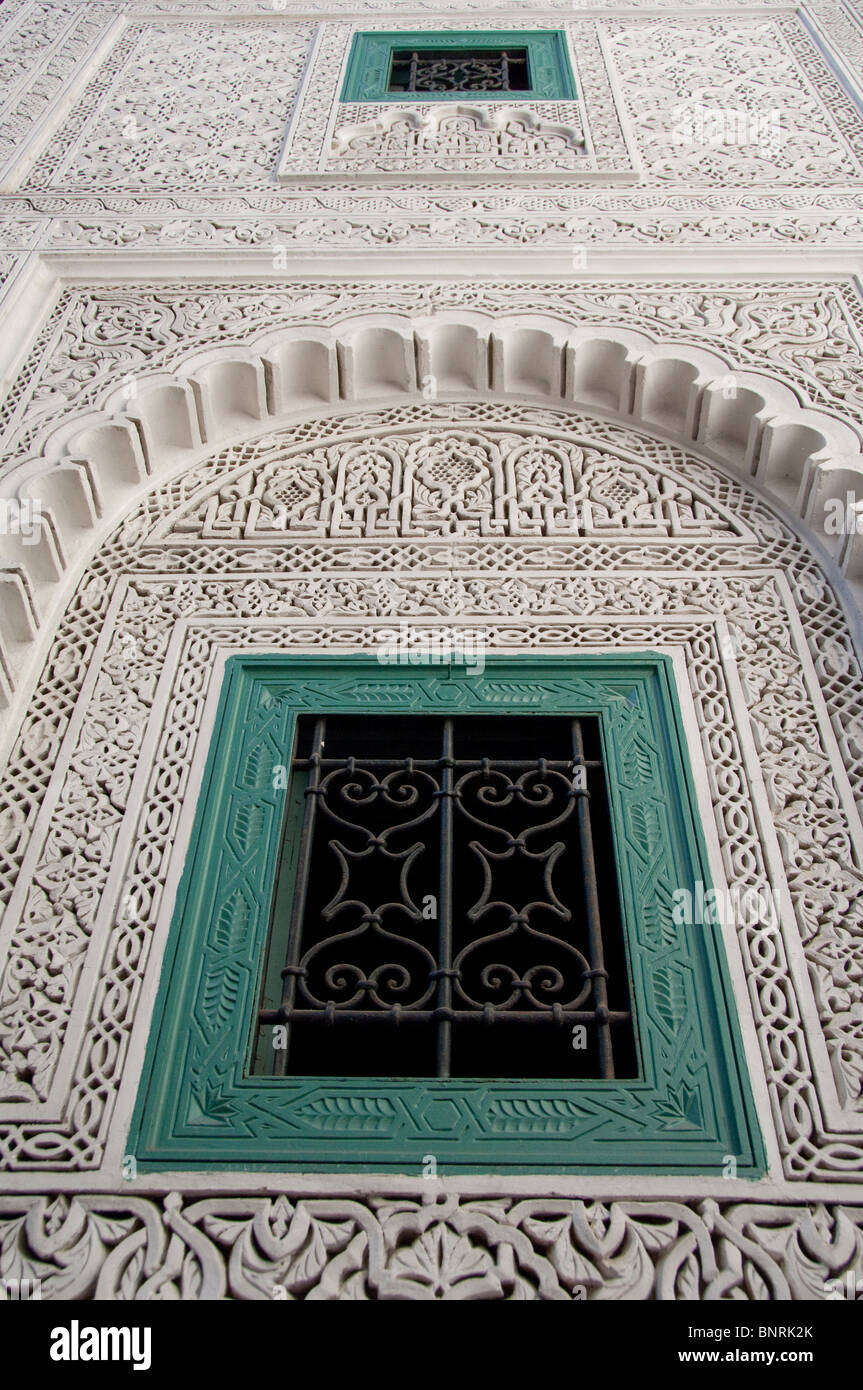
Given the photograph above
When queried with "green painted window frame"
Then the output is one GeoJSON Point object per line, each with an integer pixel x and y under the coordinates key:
{"type": "Point", "coordinates": [198, 1108]}
{"type": "Point", "coordinates": [548, 65]}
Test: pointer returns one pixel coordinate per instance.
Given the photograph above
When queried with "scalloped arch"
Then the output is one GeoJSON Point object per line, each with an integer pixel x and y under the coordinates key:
{"type": "Point", "coordinates": [91, 470]}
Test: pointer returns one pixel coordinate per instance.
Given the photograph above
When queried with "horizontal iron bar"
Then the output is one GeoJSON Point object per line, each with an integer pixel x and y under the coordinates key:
{"type": "Point", "coordinates": [561, 1016]}
{"type": "Point", "coordinates": [495, 764]}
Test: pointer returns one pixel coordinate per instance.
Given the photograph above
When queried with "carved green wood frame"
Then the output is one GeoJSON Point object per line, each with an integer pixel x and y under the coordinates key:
{"type": "Point", "coordinates": [198, 1107]}
{"type": "Point", "coordinates": [549, 70]}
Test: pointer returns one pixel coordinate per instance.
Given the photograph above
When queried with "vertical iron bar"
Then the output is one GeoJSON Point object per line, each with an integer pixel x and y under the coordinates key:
{"type": "Point", "coordinates": [591, 904]}
{"type": "Point", "coordinates": [504, 70]}
{"type": "Point", "coordinates": [412, 72]}
{"type": "Point", "coordinates": [298, 908]}
{"type": "Point", "coordinates": [444, 952]}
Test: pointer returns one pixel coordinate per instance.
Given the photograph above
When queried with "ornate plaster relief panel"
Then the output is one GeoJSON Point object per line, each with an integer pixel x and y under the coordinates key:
{"type": "Point", "coordinates": [42, 45]}
{"type": "Point", "coordinates": [185, 181]}
{"type": "Point", "coordinates": [118, 725]}
{"type": "Point", "coordinates": [179, 104]}
{"type": "Point", "coordinates": [734, 611]}
{"type": "Point", "coordinates": [132, 128]}
{"type": "Point", "coordinates": [559, 223]}
{"type": "Point", "coordinates": [791, 440]}
{"type": "Point", "coordinates": [810, 131]}
{"type": "Point", "coordinates": [804, 332]}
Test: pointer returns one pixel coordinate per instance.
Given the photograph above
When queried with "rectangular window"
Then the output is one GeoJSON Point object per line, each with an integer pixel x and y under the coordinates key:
{"type": "Point", "coordinates": [447, 885]}
{"type": "Point", "coordinates": [526, 65]}
{"type": "Point", "coordinates": [310, 1069]}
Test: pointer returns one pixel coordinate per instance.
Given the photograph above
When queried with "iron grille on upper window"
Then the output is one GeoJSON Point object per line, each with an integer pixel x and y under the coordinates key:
{"type": "Point", "coordinates": [459, 70]}
{"type": "Point", "coordinates": [447, 903]}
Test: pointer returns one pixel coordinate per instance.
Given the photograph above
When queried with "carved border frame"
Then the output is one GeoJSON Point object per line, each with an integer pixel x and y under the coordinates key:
{"type": "Point", "coordinates": [688, 1111]}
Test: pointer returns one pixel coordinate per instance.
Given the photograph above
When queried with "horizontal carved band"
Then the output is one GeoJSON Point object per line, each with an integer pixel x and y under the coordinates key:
{"type": "Point", "coordinates": [382, 1248]}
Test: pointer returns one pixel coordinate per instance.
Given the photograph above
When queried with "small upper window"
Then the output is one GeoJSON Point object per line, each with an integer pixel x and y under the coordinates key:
{"type": "Point", "coordinates": [531, 65]}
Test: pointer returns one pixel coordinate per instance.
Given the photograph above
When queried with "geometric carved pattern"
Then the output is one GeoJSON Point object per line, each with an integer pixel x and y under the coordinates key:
{"type": "Point", "coordinates": [450, 483]}
{"type": "Point", "coordinates": [196, 105]}
{"type": "Point", "coordinates": [801, 142]}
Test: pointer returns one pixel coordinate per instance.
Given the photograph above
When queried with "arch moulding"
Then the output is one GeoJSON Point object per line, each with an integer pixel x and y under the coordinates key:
{"type": "Point", "coordinates": [95, 466]}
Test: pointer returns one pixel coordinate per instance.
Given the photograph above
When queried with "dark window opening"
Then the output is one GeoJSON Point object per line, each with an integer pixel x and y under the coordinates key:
{"type": "Point", "coordinates": [447, 904]}
{"type": "Point", "coordinates": [459, 70]}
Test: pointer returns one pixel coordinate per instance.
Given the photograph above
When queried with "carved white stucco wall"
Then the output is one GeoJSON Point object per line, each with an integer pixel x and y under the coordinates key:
{"type": "Point", "coordinates": [184, 340]}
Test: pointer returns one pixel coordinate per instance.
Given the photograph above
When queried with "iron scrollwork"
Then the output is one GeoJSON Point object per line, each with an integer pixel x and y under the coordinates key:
{"type": "Point", "coordinates": [466, 70]}
{"type": "Point", "coordinates": [448, 891]}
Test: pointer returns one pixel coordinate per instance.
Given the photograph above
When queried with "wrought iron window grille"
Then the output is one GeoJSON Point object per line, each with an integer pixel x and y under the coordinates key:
{"type": "Point", "coordinates": [460, 70]}
{"type": "Point", "coordinates": [447, 904]}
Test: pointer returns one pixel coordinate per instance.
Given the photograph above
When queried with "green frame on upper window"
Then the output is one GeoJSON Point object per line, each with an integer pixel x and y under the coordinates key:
{"type": "Point", "coordinates": [200, 1108]}
{"type": "Point", "coordinates": [549, 68]}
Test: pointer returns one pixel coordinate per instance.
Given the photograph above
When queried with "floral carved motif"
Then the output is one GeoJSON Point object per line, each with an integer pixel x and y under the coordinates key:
{"type": "Point", "coordinates": [446, 1248]}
